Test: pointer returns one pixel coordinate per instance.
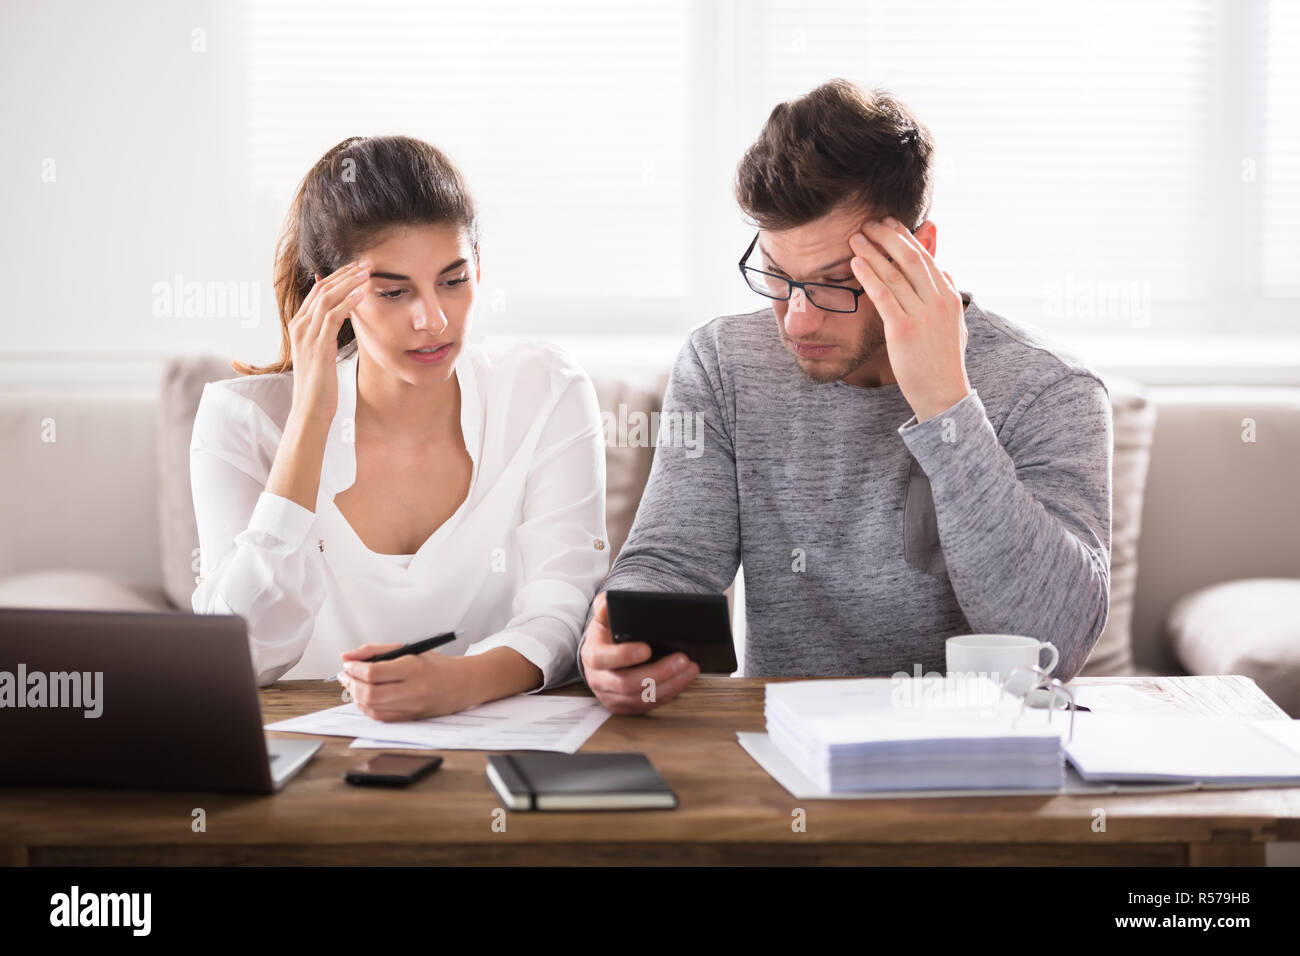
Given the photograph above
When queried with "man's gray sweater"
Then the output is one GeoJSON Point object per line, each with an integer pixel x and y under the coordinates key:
{"type": "Point", "coordinates": [867, 538]}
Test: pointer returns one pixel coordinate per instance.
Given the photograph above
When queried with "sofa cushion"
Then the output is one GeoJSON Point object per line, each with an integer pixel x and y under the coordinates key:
{"type": "Point", "coordinates": [1133, 423]}
{"type": "Point", "coordinates": [179, 392]}
{"type": "Point", "coordinates": [629, 406]}
{"type": "Point", "coordinates": [77, 485]}
{"type": "Point", "coordinates": [80, 590]}
{"type": "Point", "coordinates": [1248, 627]}
{"type": "Point", "coordinates": [1219, 504]}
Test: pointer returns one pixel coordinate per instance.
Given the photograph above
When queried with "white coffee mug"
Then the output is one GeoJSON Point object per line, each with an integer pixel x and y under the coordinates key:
{"type": "Point", "coordinates": [996, 655]}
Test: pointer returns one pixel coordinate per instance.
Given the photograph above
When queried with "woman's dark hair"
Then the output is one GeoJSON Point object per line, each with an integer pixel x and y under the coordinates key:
{"type": "Point", "coordinates": [838, 144]}
{"type": "Point", "coordinates": [358, 190]}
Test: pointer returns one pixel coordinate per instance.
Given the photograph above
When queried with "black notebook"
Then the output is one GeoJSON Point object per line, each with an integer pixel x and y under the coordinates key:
{"type": "Point", "coordinates": [593, 781]}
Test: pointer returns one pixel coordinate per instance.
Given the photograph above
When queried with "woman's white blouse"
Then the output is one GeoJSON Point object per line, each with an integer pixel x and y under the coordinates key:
{"type": "Point", "coordinates": [515, 566]}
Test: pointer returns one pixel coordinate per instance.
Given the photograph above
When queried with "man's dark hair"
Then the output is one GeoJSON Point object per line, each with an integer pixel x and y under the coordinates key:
{"type": "Point", "coordinates": [838, 144]}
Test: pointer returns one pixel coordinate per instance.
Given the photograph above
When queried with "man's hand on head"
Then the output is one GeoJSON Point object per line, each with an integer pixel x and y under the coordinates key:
{"type": "Point", "coordinates": [922, 312]}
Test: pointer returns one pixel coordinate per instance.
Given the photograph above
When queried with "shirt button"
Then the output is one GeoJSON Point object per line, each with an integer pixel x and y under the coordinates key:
{"type": "Point", "coordinates": [600, 545]}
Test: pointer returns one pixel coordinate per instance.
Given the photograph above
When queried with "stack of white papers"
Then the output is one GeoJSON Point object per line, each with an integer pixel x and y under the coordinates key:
{"type": "Point", "coordinates": [914, 734]}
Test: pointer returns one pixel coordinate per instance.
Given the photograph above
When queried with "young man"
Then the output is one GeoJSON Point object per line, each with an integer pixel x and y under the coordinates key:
{"type": "Point", "coordinates": [892, 464]}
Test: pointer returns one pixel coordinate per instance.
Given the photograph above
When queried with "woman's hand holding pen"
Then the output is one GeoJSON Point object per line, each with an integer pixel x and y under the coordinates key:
{"type": "Point", "coordinates": [406, 688]}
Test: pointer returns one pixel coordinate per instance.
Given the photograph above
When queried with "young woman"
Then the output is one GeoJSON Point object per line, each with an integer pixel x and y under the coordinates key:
{"type": "Point", "coordinates": [386, 480]}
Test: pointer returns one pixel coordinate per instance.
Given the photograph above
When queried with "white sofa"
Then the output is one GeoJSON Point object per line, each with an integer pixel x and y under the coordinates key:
{"type": "Point", "coordinates": [96, 511]}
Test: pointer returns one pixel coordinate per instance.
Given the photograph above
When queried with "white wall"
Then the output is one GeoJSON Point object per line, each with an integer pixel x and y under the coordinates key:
{"type": "Point", "coordinates": [144, 137]}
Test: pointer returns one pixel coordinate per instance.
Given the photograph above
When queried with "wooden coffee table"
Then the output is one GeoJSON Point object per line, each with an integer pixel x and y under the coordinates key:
{"type": "Point", "coordinates": [731, 811]}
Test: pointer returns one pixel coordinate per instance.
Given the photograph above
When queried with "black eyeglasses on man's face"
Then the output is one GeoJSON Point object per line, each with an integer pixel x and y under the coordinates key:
{"type": "Point", "coordinates": [830, 298]}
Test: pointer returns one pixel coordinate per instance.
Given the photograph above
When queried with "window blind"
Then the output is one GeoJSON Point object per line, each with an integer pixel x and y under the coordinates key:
{"type": "Point", "coordinates": [1279, 175]}
{"type": "Point", "coordinates": [572, 121]}
{"type": "Point", "coordinates": [1087, 159]}
{"type": "Point", "coordinates": [1073, 139]}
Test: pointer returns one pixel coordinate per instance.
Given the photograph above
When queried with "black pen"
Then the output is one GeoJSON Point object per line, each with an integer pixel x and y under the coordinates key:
{"type": "Point", "coordinates": [415, 647]}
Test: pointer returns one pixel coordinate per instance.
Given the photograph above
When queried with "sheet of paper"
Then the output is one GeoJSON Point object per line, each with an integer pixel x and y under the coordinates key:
{"type": "Point", "coordinates": [1285, 732]}
{"type": "Point", "coordinates": [562, 733]}
{"type": "Point", "coordinates": [466, 730]}
{"type": "Point", "coordinates": [1112, 699]}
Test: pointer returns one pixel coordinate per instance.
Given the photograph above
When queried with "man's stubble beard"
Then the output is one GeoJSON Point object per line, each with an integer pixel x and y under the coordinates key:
{"type": "Point", "coordinates": [870, 346]}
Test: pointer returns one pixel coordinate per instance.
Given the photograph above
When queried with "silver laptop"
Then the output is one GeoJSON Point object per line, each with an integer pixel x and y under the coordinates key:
{"type": "Point", "coordinates": [159, 700]}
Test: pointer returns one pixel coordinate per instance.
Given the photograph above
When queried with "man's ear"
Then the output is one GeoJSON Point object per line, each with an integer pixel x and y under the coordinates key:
{"type": "Point", "coordinates": [478, 264]}
{"type": "Point", "coordinates": [927, 234]}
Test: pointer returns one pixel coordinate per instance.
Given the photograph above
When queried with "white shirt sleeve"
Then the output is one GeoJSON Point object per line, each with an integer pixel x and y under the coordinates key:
{"type": "Point", "coordinates": [257, 555]}
{"type": "Point", "coordinates": [561, 538]}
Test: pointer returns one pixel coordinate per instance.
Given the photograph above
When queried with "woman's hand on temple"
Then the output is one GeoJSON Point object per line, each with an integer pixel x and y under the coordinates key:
{"type": "Point", "coordinates": [313, 339]}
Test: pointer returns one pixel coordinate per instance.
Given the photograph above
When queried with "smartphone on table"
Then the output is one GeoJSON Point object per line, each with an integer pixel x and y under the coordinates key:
{"type": "Point", "coordinates": [392, 770]}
